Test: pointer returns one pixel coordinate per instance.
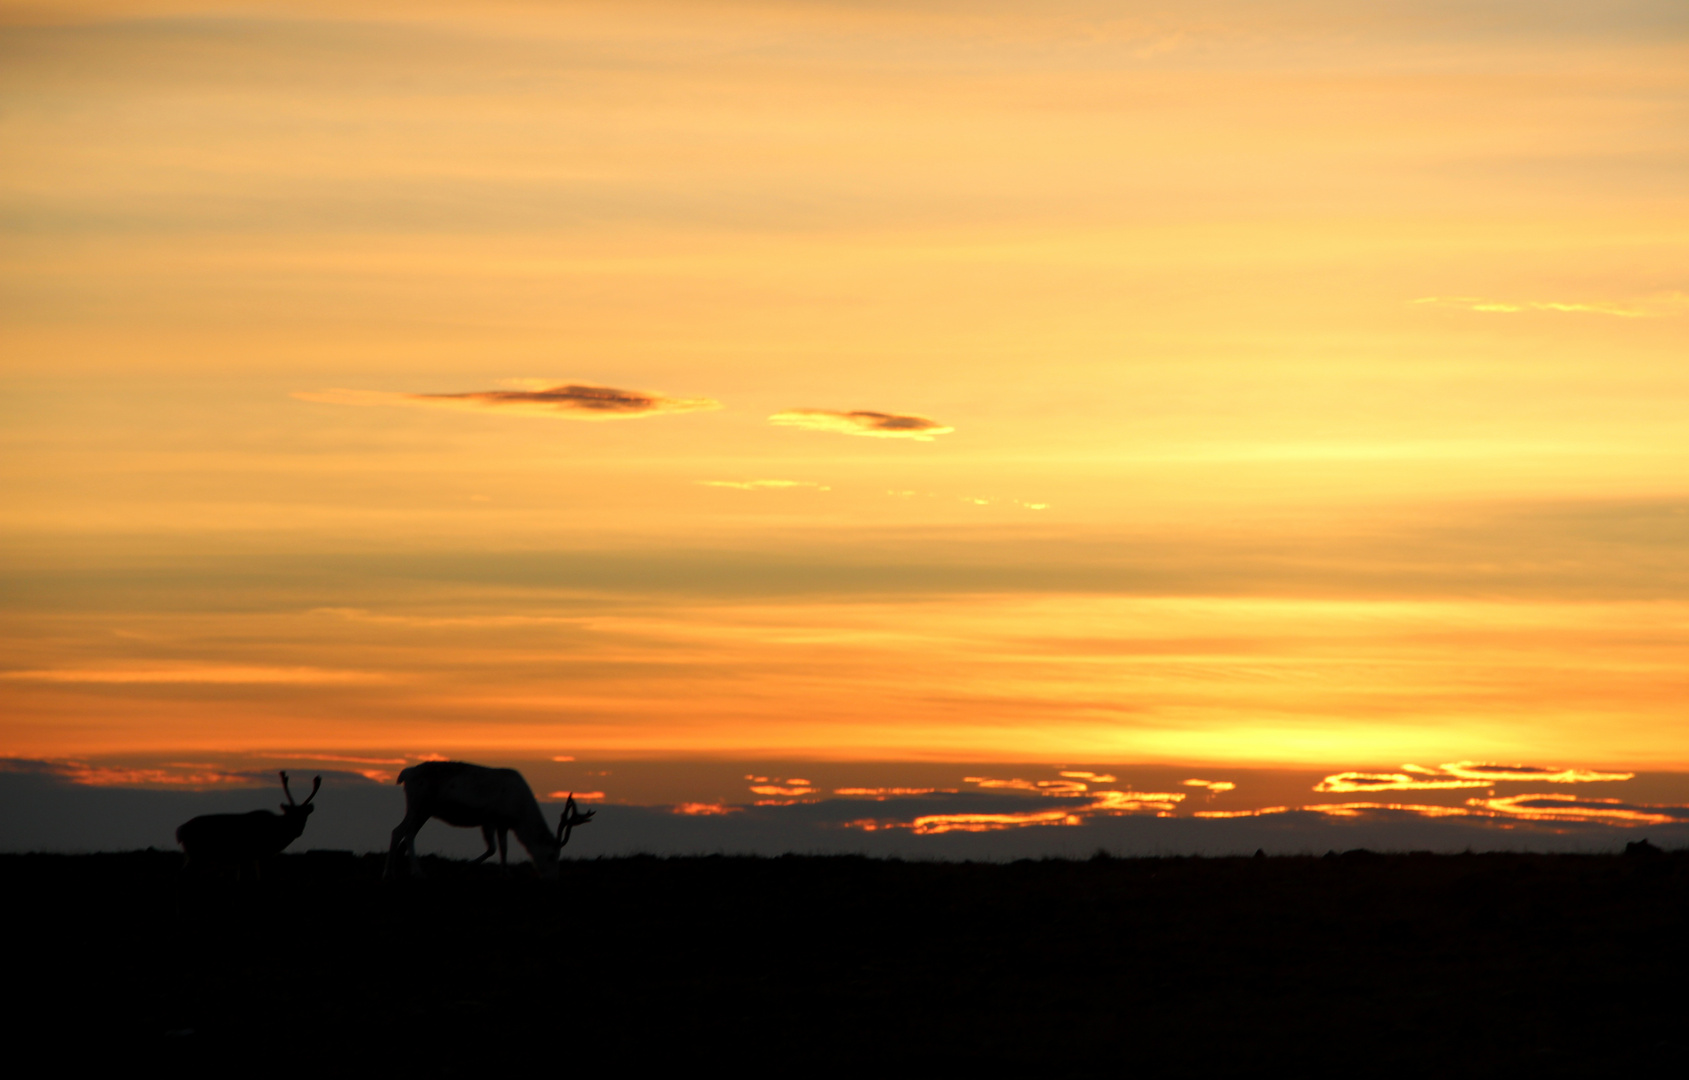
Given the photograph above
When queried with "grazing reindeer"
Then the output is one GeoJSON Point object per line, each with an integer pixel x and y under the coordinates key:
{"type": "Point", "coordinates": [246, 838]}
{"type": "Point", "coordinates": [498, 801]}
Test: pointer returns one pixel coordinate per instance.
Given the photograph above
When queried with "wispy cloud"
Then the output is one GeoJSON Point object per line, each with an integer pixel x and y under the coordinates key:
{"type": "Point", "coordinates": [1082, 804]}
{"type": "Point", "coordinates": [877, 425]}
{"type": "Point", "coordinates": [1100, 803]}
{"type": "Point", "coordinates": [791, 790]}
{"type": "Point", "coordinates": [1081, 801]}
{"type": "Point", "coordinates": [777, 791]}
{"type": "Point", "coordinates": [1576, 808]}
{"type": "Point", "coordinates": [344, 758]}
{"type": "Point", "coordinates": [1041, 787]}
{"type": "Point", "coordinates": [1476, 770]}
{"type": "Point", "coordinates": [762, 485]}
{"type": "Point", "coordinates": [1534, 807]}
{"type": "Point", "coordinates": [975, 500]}
{"type": "Point", "coordinates": [706, 809]}
{"type": "Point", "coordinates": [1360, 808]}
{"type": "Point", "coordinates": [380, 776]}
{"type": "Point", "coordinates": [175, 776]}
{"type": "Point", "coordinates": [221, 674]}
{"type": "Point", "coordinates": [933, 824]}
{"type": "Point", "coordinates": [1460, 774]}
{"type": "Point", "coordinates": [1540, 807]}
{"type": "Point", "coordinates": [194, 775]}
{"type": "Point", "coordinates": [470, 622]}
{"type": "Point", "coordinates": [1160, 803]}
{"type": "Point", "coordinates": [1349, 782]}
{"type": "Point", "coordinates": [530, 397]}
{"type": "Point", "coordinates": [1650, 307]}
{"type": "Point", "coordinates": [1215, 787]}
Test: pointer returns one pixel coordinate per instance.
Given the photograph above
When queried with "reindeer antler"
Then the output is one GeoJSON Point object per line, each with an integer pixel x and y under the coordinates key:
{"type": "Point", "coordinates": [563, 829]}
{"type": "Point", "coordinates": [315, 786]}
{"type": "Point", "coordinates": [571, 817]}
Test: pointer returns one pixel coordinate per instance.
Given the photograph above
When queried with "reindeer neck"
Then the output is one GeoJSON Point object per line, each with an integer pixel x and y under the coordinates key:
{"type": "Point", "coordinates": [293, 825]}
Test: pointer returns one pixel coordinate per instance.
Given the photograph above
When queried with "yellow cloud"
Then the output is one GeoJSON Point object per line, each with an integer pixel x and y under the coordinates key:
{"type": "Point", "coordinates": [703, 809]}
{"type": "Point", "coordinates": [1651, 307]}
{"type": "Point", "coordinates": [1345, 782]}
{"type": "Point", "coordinates": [943, 823]}
{"type": "Point", "coordinates": [1042, 787]}
{"type": "Point", "coordinates": [1161, 803]}
{"type": "Point", "coordinates": [759, 485]}
{"type": "Point", "coordinates": [791, 790]}
{"type": "Point", "coordinates": [1111, 803]}
{"type": "Point", "coordinates": [1214, 787]}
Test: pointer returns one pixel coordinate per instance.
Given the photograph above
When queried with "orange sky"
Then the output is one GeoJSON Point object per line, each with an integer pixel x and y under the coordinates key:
{"type": "Point", "coordinates": [1258, 383]}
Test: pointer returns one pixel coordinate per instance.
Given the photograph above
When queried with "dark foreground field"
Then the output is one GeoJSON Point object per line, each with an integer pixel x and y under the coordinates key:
{"type": "Point", "coordinates": [1354, 963]}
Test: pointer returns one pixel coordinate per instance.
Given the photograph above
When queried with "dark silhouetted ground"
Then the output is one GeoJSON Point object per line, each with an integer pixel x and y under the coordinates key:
{"type": "Point", "coordinates": [1355, 963]}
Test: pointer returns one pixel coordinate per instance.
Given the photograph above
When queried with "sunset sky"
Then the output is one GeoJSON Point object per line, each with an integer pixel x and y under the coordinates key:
{"type": "Point", "coordinates": [1200, 384]}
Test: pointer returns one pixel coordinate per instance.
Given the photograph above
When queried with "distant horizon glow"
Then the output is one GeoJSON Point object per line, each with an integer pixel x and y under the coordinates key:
{"type": "Point", "coordinates": [824, 810]}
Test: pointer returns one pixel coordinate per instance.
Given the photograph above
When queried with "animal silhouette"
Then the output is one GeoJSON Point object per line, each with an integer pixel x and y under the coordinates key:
{"type": "Point", "coordinates": [246, 839]}
{"type": "Point", "coordinates": [497, 801]}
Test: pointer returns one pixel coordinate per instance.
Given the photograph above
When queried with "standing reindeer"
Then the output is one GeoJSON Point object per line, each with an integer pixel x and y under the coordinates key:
{"type": "Point", "coordinates": [498, 801]}
{"type": "Point", "coordinates": [244, 839]}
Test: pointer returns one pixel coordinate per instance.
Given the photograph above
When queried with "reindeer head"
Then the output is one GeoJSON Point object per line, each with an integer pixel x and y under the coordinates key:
{"type": "Point", "coordinates": [571, 817]}
{"type": "Point", "coordinates": [299, 810]}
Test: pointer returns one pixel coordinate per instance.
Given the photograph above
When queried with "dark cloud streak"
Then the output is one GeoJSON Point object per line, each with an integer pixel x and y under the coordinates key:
{"type": "Point", "coordinates": [564, 398]}
{"type": "Point", "coordinates": [862, 422]}
{"type": "Point", "coordinates": [529, 397]}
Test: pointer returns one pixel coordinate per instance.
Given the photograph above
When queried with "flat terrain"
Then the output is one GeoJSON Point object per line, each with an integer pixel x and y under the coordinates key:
{"type": "Point", "coordinates": [1352, 963]}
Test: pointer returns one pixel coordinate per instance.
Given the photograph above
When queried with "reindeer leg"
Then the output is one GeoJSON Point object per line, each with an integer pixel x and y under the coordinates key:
{"type": "Point", "coordinates": [487, 835]}
{"type": "Point", "coordinates": [395, 848]}
{"type": "Point", "coordinates": [503, 849]}
{"type": "Point", "coordinates": [404, 840]}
